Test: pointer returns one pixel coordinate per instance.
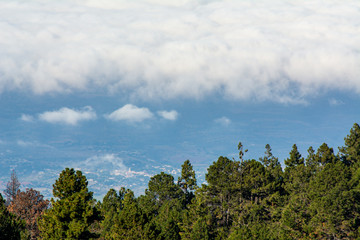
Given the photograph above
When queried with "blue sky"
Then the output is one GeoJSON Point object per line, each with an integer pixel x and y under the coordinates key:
{"type": "Point", "coordinates": [125, 89]}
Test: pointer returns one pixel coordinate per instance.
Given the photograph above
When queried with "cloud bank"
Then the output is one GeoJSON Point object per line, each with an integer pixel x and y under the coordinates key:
{"type": "Point", "coordinates": [281, 50]}
{"type": "Point", "coordinates": [68, 116]}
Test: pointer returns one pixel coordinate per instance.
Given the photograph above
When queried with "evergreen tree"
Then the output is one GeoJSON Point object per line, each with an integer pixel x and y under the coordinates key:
{"type": "Point", "coordinates": [311, 161]}
{"type": "Point", "coordinates": [187, 181]}
{"type": "Point", "coordinates": [295, 158]}
{"type": "Point", "coordinates": [325, 155]}
{"type": "Point", "coordinates": [169, 219]}
{"type": "Point", "coordinates": [197, 221]}
{"type": "Point", "coordinates": [162, 188]}
{"type": "Point", "coordinates": [129, 222]}
{"type": "Point", "coordinates": [350, 153]}
{"type": "Point", "coordinates": [110, 208]}
{"type": "Point", "coordinates": [72, 214]}
{"type": "Point", "coordinates": [334, 203]}
{"type": "Point", "coordinates": [271, 163]}
{"type": "Point", "coordinates": [10, 226]}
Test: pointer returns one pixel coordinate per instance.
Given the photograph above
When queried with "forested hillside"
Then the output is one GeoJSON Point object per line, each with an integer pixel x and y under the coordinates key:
{"type": "Point", "coordinates": [311, 197]}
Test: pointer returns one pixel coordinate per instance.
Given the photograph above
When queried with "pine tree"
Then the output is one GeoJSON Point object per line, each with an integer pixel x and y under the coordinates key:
{"type": "Point", "coordinates": [129, 222]}
{"type": "Point", "coordinates": [72, 214]}
{"type": "Point", "coordinates": [325, 155]}
{"type": "Point", "coordinates": [10, 226]}
{"type": "Point", "coordinates": [162, 188]}
{"type": "Point", "coordinates": [350, 153]}
{"type": "Point", "coordinates": [187, 181]}
{"type": "Point", "coordinates": [295, 158]}
{"type": "Point", "coordinates": [110, 208]}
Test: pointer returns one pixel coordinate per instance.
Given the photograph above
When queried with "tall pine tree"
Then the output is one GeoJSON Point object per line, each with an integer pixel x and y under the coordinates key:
{"type": "Point", "coordinates": [73, 212]}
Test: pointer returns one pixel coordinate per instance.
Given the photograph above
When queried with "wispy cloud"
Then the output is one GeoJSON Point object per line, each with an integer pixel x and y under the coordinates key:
{"type": "Point", "coordinates": [335, 102]}
{"type": "Point", "coordinates": [27, 118]}
{"type": "Point", "coordinates": [277, 50]}
{"type": "Point", "coordinates": [169, 115]}
{"type": "Point", "coordinates": [130, 113]}
{"type": "Point", "coordinates": [68, 116]}
{"type": "Point", "coordinates": [108, 163]}
{"type": "Point", "coordinates": [223, 121]}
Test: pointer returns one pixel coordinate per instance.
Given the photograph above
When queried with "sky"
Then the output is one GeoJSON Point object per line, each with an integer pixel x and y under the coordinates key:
{"type": "Point", "coordinates": [125, 89]}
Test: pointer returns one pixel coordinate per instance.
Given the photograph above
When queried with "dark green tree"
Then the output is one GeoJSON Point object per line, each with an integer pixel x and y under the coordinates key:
{"type": "Point", "coordinates": [334, 203]}
{"type": "Point", "coordinates": [74, 210]}
{"type": "Point", "coordinates": [187, 181]}
{"type": "Point", "coordinates": [273, 166]}
{"type": "Point", "coordinates": [129, 223]}
{"type": "Point", "coordinates": [197, 221]}
{"type": "Point", "coordinates": [242, 151]}
{"type": "Point", "coordinates": [221, 195]}
{"type": "Point", "coordinates": [350, 153]}
{"type": "Point", "coordinates": [310, 160]}
{"type": "Point", "coordinates": [162, 188]}
{"type": "Point", "coordinates": [295, 158]}
{"type": "Point", "coordinates": [325, 155]}
{"type": "Point", "coordinates": [10, 226]}
{"type": "Point", "coordinates": [110, 208]}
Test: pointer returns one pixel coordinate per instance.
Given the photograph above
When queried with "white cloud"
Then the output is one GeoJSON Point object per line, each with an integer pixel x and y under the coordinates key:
{"type": "Point", "coordinates": [27, 118]}
{"type": "Point", "coordinates": [169, 115]}
{"type": "Point", "coordinates": [130, 113]}
{"type": "Point", "coordinates": [108, 163]}
{"type": "Point", "coordinates": [281, 50]}
{"type": "Point", "coordinates": [223, 121]}
{"type": "Point", "coordinates": [68, 116]}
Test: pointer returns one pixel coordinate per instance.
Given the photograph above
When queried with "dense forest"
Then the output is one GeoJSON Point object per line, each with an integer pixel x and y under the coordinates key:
{"type": "Point", "coordinates": [311, 197]}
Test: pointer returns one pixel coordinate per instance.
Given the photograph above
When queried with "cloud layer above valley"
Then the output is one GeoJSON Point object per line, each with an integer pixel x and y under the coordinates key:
{"type": "Point", "coordinates": [281, 50]}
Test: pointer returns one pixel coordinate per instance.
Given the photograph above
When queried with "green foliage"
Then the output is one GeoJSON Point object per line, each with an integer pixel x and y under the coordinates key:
{"type": "Point", "coordinates": [10, 226]}
{"type": "Point", "coordinates": [256, 231]}
{"type": "Point", "coordinates": [325, 155]}
{"type": "Point", "coordinates": [332, 202]}
{"type": "Point", "coordinates": [72, 214]}
{"type": "Point", "coordinates": [197, 221]}
{"type": "Point", "coordinates": [316, 198]}
{"type": "Point", "coordinates": [69, 183]}
{"type": "Point", "coordinates": [295, 158]}
{"type": "Point", "coordinates": [350, 153]}
{"type": "Point", "coordinates": [129, 222]}
{"type": "Point", "coordinates": [110, 208]}
{"type": "Point", "coordinates": [187, 181]}
{"type": "Point", "coordinates": [162, 188]}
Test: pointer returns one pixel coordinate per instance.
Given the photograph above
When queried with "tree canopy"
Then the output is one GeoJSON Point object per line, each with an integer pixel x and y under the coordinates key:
{"type": "Point", "coordinates": [313, 197]}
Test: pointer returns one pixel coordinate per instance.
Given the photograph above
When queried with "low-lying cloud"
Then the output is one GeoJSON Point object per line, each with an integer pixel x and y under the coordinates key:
{"type": "Point", "coordinates": [108, 163]}
{"type": "Point", "coordinates": [68, 116]}
{"type": "Point", "coordinates": [281, 50]}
